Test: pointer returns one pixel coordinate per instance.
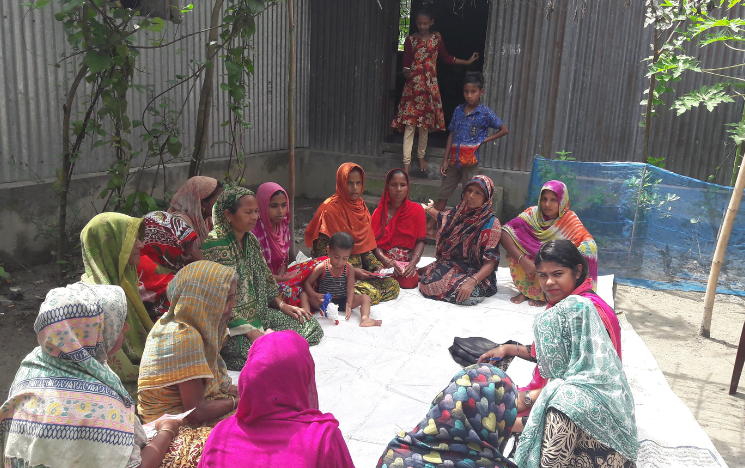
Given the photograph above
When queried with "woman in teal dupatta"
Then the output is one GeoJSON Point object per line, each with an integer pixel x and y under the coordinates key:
{"type": "Point", "coordinates": [585, 414]}
{"type": "Point", "coordinates": [258, 307]}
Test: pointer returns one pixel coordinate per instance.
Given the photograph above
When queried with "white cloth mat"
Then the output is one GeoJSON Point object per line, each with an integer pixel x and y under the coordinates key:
{"type": "Point", "coordinates": [381, 380]}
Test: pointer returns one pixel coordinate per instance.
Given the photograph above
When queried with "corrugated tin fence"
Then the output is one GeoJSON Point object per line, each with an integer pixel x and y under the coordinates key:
{"type": "Point", "coordinates": [562, 84]}
{"type": "Point", "coordinates": [32, 90]}
{"type": "Point", "coordinates": [352, 46]}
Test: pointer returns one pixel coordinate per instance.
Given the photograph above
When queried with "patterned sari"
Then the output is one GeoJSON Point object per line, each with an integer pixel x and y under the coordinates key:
{"type": "Point", "coordinates": [66, 407]}
{"type": "Point", "coordinates": [256, 285]}
{"type": "Point", "coordinates": [587, 385]}
{"type": "Point", "coordinates": [166, 235]}
{"type": "Point", "coordinates": [107, 241]}
{"type": "Point", "coordinates": [185, 343]}
{"type": "Point", "coordinates": [465, 239]}
{"type": "Point", "coordinates": [530, 230]}
{"type": "Point", "coordinates": [467, 426]}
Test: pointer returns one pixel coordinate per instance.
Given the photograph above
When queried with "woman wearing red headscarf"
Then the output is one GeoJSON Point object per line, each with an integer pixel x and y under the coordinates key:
{"type": "Point", "coordinates": [346, 211]}
{"type": "Point", "coordinates": [400, 228]}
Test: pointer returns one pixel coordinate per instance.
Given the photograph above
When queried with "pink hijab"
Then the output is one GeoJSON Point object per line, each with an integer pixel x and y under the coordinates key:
{"type": "Point", "coordinates": [274, 244]}
{"type": "Point", "coordinates": [277, 422]}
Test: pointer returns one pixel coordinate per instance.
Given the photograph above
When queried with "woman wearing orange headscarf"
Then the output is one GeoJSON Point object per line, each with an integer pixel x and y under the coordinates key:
{"type": "Point", "coordinates": [346, 211]}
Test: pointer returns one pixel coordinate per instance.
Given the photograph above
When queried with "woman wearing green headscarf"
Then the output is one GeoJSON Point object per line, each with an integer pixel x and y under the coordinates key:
{"type": "Point", "coordinates": [585, 415]}
{"type": "Point", "coordinates": [258, 307]}
{"type": "Point", "coordinates": [111, 244]}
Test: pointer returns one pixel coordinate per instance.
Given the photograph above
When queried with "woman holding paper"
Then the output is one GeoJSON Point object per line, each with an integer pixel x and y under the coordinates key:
{"type": "Point", "coordinates": [400, 228]}
{"type": "Point", "coordinates": [346, 211]}
{"type": "Point", "coordinates": [181, 368]}
{"type": "Point", "coordinates": [258, 307]}
{"type": "Point", "coordinates": [67, 408]}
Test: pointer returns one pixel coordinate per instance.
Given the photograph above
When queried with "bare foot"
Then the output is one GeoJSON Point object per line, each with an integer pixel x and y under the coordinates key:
{"type": "Point", "coordinates": [423, 166]}
{"type": "Point", "coordinates": [368, 322]}
{"type": "Point", "coordinates": [536, 303]}
{"type": "Point", "coordinates": [519, 299]}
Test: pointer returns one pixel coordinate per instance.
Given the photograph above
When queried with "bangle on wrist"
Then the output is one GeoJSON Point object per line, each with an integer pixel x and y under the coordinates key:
{"type": "Point", "coordinates": [165, 429]}
{"type": "Point", "coordinates": [517, 349]}
{"type": "Point", "coordinates": [233, 398]}
{"type": "Point", "coordinates": [521, 257]}
{"type": "Point", "coordinates": [281, 303]}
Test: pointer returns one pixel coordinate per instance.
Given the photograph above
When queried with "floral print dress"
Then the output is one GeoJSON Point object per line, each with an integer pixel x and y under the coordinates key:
{"type": "Point", "coordinates": [421, 105]}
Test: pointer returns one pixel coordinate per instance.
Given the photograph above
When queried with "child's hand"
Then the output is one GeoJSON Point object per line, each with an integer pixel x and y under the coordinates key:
{"type": "Point", "coordinates": [407, 73]}
{"type": "Point", "coordinates": [444, 167]}
{"type": "Point", "coordinates": [473, 58]}
{"type": "Point", "coordinates": [349, 310]}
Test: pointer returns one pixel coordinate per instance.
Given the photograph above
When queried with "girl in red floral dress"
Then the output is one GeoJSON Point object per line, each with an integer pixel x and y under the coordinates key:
{"type": "Point", "coordinates": [421, 106]}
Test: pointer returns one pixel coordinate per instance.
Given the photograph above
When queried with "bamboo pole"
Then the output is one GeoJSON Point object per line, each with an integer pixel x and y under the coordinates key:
{"type": "Point", "coordinates": [291, 123]}
{"type": "Point", "coordinates": [716, 264]}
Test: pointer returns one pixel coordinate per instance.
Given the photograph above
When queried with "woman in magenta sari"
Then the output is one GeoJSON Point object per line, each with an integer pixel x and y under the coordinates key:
{"type": "Point", "coordinates": [562, 272]}
{"type": "Point", "coordinates": [277, 422]}
{"type": "Point", "coordinates": [273, 232]}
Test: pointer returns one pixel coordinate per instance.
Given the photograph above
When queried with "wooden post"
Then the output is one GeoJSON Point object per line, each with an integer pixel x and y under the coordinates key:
{"type": "Point", "coordinates": [291, 124]}
{"type": "Point", "coordinates": [716, 264]}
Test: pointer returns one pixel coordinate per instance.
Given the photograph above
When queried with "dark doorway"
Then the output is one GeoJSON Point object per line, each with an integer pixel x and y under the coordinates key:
{"type": "Point", "coordinates": [462, 24]}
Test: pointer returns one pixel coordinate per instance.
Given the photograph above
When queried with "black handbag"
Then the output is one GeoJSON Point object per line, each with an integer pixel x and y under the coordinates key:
{"type": "Point", "coordinates": [467, 351]}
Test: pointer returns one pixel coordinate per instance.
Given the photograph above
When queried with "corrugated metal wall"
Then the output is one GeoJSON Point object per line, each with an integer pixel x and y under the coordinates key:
{"type": "Point", "coordinates": [352, 45]}
{"type": "Point", "coordinates": [32, 91]}
{"type": "Point", "coordinates": [562, 84]}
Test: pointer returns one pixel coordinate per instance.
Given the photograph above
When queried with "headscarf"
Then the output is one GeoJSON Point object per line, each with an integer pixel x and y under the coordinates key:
{"type": "Point", "coordinates": [587, 383]}
{"type": "Point", "coordinates": [274, 243]}
{"type": "Point", "coordinates": [468, 424]}
{"type": "Point", "coordinates": [605, 312]}
{"type": "Point", "coordinates": [607, 316]}
{"type": "Point", "coordinates": [461, 229]}
{"type": "Point", "coordinates": [408, 225]}
{"type": "Point", "coordinates": [187, 203]}
{"type": "Point", "coordinates": [530, 230]}
{"type": "Point", "coordinates": [277, 422]}
{"type": "Point", "coordinates": [107, 241]}
{"type": "Point", "coordinates": [256, 285]}
{"type": "Point", "coordinates": [340, 213]}
{"type": "Point", "coordinates": [185, 343]}
{"type": "Point", "coordinates": [66, 407]}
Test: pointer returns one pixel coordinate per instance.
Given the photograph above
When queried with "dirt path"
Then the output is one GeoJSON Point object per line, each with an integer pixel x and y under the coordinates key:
{"type": "Point", "coordinates": [698, 370]}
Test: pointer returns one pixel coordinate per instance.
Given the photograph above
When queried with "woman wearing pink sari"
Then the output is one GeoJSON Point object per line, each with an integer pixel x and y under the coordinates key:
{"type": "Point", "coordinates": [277, 422]}
{"type": "Point", "coordinates": [562, 272]}
{"type": "Point", "coordinates": [273, 232]}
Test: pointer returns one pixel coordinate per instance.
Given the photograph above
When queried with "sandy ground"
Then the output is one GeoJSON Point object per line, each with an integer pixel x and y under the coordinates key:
{"type": "Point", "coordinates": [698, 370]}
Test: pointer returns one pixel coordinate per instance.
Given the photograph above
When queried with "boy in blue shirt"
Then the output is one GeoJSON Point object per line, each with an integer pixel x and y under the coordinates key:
{"type": "Point", "coordinates": [468, 131]}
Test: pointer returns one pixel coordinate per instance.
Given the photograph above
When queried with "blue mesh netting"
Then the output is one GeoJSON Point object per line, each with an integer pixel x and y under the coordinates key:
{"type": "Point", "coordinates": [654, 228]}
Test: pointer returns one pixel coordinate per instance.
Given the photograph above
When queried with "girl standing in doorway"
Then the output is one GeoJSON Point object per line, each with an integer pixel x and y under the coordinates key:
{"type": "Point", "coordinates": [421, 106]}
